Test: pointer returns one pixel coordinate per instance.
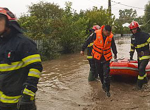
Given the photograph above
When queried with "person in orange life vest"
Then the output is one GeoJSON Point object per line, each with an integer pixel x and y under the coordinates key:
{"type": "Point", "coordinates": [102, 54]}
{"type": "Point", "coordinates": [89, 45]}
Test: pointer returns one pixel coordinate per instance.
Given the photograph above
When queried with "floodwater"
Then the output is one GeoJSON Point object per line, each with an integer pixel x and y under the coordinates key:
{"type": "Point", "coordinates": [64, 86]}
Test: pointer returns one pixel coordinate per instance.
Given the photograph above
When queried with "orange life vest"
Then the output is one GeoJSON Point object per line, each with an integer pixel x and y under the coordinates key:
{"type": "Point", "coordinates": [102, 48]}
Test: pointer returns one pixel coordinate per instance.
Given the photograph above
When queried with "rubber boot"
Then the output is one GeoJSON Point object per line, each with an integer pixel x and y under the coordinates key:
{"type": "Point", "coordinates": [145, 81]}
{"type": "Point", "coordinates": [108, 94]}
{"type": "Point", "coordinates": [106, 89]}
{"type": "Point", "coordinates": [96, 76]}
{"type": "Point", "coordinates": [91, 76]}
{"type": "Point", "coordinates": [139, 84]}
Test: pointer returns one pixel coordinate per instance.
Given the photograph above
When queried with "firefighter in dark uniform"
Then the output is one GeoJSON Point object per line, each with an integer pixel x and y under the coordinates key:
{"type": "Point", "coordinates": [89, 45]}
{"type": "Point", "coordinates": [20, 65]}
{"type": "Point", "coordinates": [102, 54]}
{"type": "Point", "coordinates": [140, 42]}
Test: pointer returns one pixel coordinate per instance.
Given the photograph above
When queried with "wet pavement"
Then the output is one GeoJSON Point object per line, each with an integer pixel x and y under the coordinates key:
{"type": "Point", "coordinates": [64, 86]}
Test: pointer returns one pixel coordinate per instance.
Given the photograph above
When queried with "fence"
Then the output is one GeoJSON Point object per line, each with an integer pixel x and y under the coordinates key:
{"type": "Point", "coordinates": [124, 35]}
{"type": "Point", "coordinates": [39, 44]}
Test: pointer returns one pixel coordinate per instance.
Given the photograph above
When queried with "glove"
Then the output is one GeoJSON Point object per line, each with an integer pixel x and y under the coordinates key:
{"type": "Point", "coordinates": [115, 56]}
{"type": "Point", "coordinates": [26, 103]}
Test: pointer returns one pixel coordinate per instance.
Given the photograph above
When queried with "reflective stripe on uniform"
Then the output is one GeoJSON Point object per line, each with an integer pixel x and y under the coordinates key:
{"type": "Point", "coordinates": [28, 92]}
{"type": "Point", "coordinates": [31, 59]}
{"type": "Point", "coordinates": [132, 45]}
{"type": "Point", "coordinates": [132, 50]}
{"type": "Point", "coordinates": [13, 66]}
{"type": "Point", "coordinates": [91, 44]}
{"type": "Point", "coordinates": [142, 77]}
{"type": "Point", "coordinates": [8, 99]}
{"type": "Point", "coordinates": [148, 40]}
{"type": "Point", "coordinates": [34, 73]}
{"type": "Point", "coordinates": [144, 57]}
{"type": "Point", "coordinates": [20, 64]}
{"type": "Point", "coordinates": [89, 57]}
{"type": "Point", "coordinates": [142, 45]}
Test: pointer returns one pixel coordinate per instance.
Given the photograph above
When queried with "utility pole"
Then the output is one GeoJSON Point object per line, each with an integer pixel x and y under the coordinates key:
{"type": "Point", "coordinates": [109, 6]}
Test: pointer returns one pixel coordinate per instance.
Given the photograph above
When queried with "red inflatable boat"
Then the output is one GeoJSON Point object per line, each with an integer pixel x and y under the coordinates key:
{"type": "Point", "coordinates": [126, 67]}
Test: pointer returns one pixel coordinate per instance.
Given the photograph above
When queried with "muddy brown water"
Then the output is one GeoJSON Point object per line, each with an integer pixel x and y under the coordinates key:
{"type": "Point", "coordinates": [64, 86]}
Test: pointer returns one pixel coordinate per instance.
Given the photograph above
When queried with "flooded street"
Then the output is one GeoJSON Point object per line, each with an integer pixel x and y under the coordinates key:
{"type": "Point", "coordinates": [64, 86]}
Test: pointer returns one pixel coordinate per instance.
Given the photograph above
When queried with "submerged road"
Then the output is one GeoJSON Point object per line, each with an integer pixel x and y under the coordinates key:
{"type": "Point", "coordinates": [64, 86]}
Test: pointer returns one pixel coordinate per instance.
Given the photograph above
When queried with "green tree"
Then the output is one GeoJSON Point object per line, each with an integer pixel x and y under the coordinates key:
{"type": "Point", "coordinates": [38, 24]}
{"type": "Point", "coordinates": [45, 10]}
{"type": "Point", "coordinates": [140, 20]}
{"type": "Point", "coordinates": [118, 28]}
{"type": "Point", "coordinates": [62, 31]}
{"type": "Point", "coordinates": [127, 15]}
{"type": "Point", "coordinates": [99, 16]}
{"type": "Point", "coordinates": [41, 24]}
{"type": "Point", "coordinates": [146, 25]}
{"type": "Point", "coordinates": [36, 28]}
{"type": "Point", "coordinates": [73, 30]}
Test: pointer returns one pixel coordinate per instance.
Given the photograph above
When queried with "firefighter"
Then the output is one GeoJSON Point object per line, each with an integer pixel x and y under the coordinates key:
{"type": "Point", "coordinates": [20, 65]}
{"type": "Point", "coordinates": [89, 45]}
{"type": "Point", "coordinates": [140, 42]}
{"type": "Point", "coordinates": [102, 54]}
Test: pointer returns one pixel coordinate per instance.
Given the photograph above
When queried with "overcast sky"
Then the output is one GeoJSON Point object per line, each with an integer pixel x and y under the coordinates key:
{"type": "Point", "coordinates": [21, 6]}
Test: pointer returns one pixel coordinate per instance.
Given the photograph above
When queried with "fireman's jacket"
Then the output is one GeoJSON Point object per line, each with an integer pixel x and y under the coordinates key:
{"type": "Point", "coordinates": [20, 67]}
{"type": "Point", "coordinates": [89, 45]}
{"type": "Point", "coordinates": [140, 42]}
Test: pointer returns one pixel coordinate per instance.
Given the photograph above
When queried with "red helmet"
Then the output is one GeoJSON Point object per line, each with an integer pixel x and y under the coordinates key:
{"type": "Point", "coordinates": [12, 20]}
{"type": "Point", "coordinates": [96, 27]}
{"type": "Point", "coordinates": [10, 16]}
{"type": "Point", "coordinates": [133, 25]}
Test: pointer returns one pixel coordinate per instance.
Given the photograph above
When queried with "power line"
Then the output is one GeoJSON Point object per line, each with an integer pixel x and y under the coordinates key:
{"type": "Point", "coordinates": [117, 8]}
{"type": "Point", "coordinates": [126, 5]}
{"type": "Point", "coordinates": [114, 4]}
